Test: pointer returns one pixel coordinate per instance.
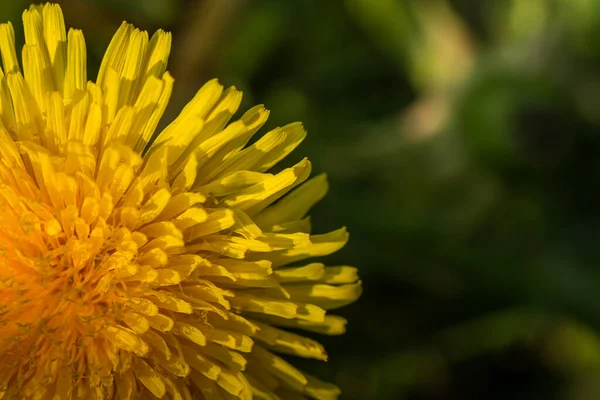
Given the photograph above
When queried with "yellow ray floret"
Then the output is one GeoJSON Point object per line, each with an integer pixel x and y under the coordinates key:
{"type": "Point", "coordinates": [137, 264]}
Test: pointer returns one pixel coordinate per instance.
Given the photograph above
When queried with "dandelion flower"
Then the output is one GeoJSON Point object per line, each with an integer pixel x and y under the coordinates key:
{"type": "Point", "coordinates": [133, 268]}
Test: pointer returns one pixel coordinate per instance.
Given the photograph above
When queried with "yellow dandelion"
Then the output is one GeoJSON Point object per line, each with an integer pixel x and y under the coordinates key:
{"type": "Point", "coordinates": [140, 269]}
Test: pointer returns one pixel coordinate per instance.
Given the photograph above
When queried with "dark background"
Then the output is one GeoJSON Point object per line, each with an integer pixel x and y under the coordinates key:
{"type": "Point", "coordinates": [462, 143]}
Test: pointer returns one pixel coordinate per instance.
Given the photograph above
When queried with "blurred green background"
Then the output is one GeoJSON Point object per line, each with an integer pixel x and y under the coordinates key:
{"type": "Point", "coordinates": [462, 143]}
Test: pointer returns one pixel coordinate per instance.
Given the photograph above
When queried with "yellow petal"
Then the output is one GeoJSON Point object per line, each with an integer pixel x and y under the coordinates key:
{"type": "Point", "coordinates": [136, 322]}
{"type": "Point", "coordinates": [150, 378]}
{"type": "Point", "coordinates": [190, 332]}
{"type": "Point", "coordinates": [158, 344]}
{"type": "Point", "coordinates": [289, 343]}
{"type": "Point", "coordinates": [171, 302]}
{"type": "Point", "coordinates": [309, 272]}
{"type": "Point", "coordinates": [296, 204]}
{"type": "Point", "coordinates": [234, 384]}
{"type": "Point", "coordinates": [331, 325]}
{"type": "Point", "coordinates": [179, 204]}
{"type": "Point", "coordinates": [126, 385]}
{"type": "Point", "coordinates": [159, 109]}
{"type": "Point", "coordinates": [232, 340]}
{"type": "Point", "coordinates": [279, 367]}
{"type": "Point", "coordinates": [145, 106]}
{"type": "Point", "coordinates": [164, 228]}
{"type": "Point", "coordinates": [155, 205]}
{"type": "Point", "coordinates": [115, 53]}
{"type": "Point", "coordinates": [246, 302]}
{"type": "Point", "coordinates": [321, 245]}
{"type": "Point", "coordinates": [126, 339]}
{"type": "Point", "coordinates": [320, 390]}
{"type": "Point", "coordinates": [55, 36]}
{"type": "Point", "coordinates": [27, 112]}
{"type": "Point", "coordinates": [7, 113]}
{"type": "Point", "coordinates": [257, 197]}
{"type": "Point", "coordinates": [157, 54]}
{"type": "Point", "coordinates": [232, 183]}
{"type": "Point", "coordinates": [76, 68]}
{"type": "Point", "coordinates": [326, 296]}
{"type": "Point", "coordinates": [56, 134]}
{"type": "Point", "coordinates": [216, 222]}
{"type": "Point", "coordinates": [7, 48]}
{"type": "Point", "coordinates": [197, 108]}
{"type": "Point", "coordinates": [191, 217]}
{"type": "Point", "coordinates": [340, 274]}
{"type": "Point", "coordinates": [177, 389]}
{"type": "Point", "coordinates": [267, 151]}
{"type": "Point", "coordinates": [201, 363]}
{"type": "Point", "coordinates": [37, 74]}
{"type": "Point", "coordinates": [132, 67]}
{"type": "Point", "coordinates": [208, 387]}
{"type": "Point", "coordinates": [262, 267]}
{"type": "Point", "coordinates": [161, 322]}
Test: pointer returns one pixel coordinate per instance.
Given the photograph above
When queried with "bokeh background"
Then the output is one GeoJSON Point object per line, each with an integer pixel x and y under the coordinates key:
{"type": "Point", "coordinates": [462, 143]}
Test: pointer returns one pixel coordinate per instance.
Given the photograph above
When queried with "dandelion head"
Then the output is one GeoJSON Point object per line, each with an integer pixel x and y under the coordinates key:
{"type": "Point", "coordinates": [137, 264]}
